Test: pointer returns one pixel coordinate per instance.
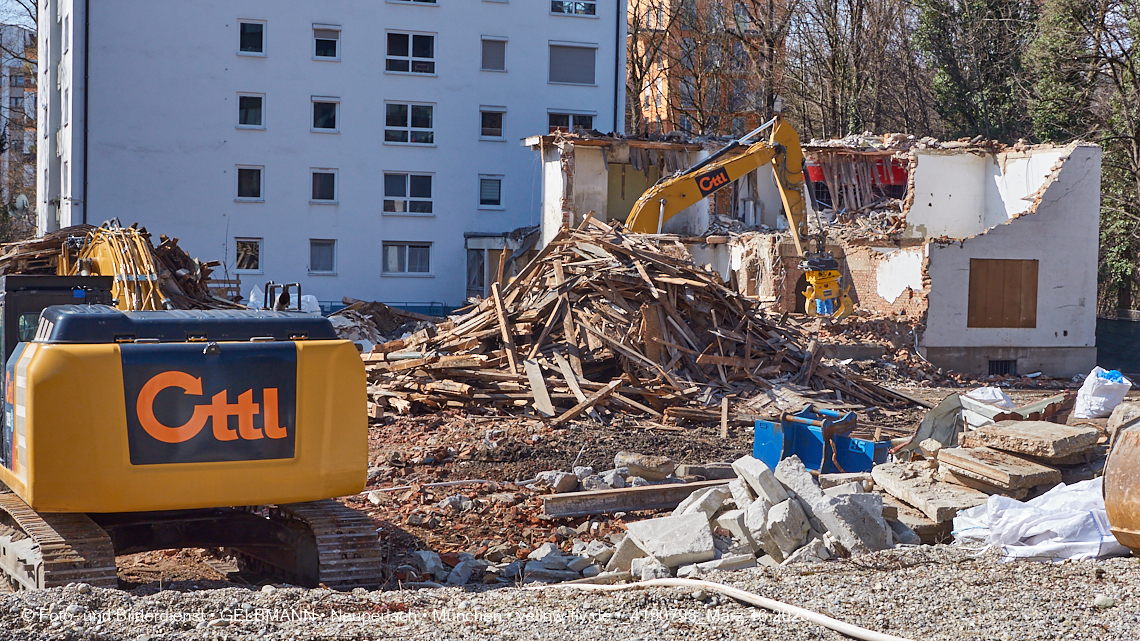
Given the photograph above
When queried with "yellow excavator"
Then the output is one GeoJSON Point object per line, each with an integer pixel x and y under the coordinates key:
{"type": "Point", "coordinates": [825, 295]}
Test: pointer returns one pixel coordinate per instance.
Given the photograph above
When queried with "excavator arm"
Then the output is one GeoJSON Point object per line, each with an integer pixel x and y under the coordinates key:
{"type": "Point", "coordinates": [668, 197]}
{"type": "Point", "coordinates": [825, 294]}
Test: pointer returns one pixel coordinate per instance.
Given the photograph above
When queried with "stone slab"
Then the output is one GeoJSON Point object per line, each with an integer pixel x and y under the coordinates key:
{"type": "Point", "coordinates": [928, 532]}
{"type": "Point", "coordinates": [760, 478]}
{"type": "Point", "coordinates": [1040, 439]}
{"type": "Point", "coordinates": [623, 555]}
{"type": "Point", "coordinates": [948, 474]}
{"type": "Point", "coordinates": [710, 471]}
{"type": "Point", "coordinates": [998, 468]}
{"type": "Point", "coordinates": [918, 487]}
{"type": "Point", "coordinates": [706, 501]}
{"type": "Point", "coordinates": [674, 540]}
{"type": "Point", "coordinates": [833, 480]}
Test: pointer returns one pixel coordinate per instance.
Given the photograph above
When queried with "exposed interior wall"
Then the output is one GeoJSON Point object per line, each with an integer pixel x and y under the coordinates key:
{"type": "Point", "coordinates": [1012, 180]}
{"type": "Point", "coordinates": [949, 195]}
{"type": "Point", "coordinates": [554, 189]}
{"type": "Point", "coordinates": [626, 185]}
{"type": "Point", "coordinates": [759, 192]}
{"type": "Point", "coordinates": [591, 181]}
{"type": "Point", "coordinates": [889, 280]}
{"type": "Point", "coordinates": [1062, 235]}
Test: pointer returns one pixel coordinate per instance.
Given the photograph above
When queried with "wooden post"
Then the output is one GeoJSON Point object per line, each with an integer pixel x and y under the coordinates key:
{"type": "Point", "coordinates": [724, 417]}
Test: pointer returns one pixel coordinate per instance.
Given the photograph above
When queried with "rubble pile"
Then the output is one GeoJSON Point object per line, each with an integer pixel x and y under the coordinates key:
{"type": "Point", "coordinates": [750, 515]}
{"type": "Point", "coordinates": [371, 323]}
{"type": "Point", "coordinates": [601, 320]}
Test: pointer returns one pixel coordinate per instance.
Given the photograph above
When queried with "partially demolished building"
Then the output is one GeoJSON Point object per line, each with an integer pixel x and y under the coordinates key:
{"type": "Point", "coordinates": [990, 251]}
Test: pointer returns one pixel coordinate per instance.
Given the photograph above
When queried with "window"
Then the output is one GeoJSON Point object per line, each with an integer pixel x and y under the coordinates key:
{"type": "Point", "coordinates": [490, 192]}
{"type": "Point", "coordinates": [326, 43]}
{"type": "Point", "coordinates": [251, 38]}
{"type": "Point", "coordinates": [573, 65]}
{"type": "Point", "coordinates": [16, 102]}
{"type": "Point", "coordinates": [249, 183]}
{"type": "Point", "coordinates": [407, 194]}
{"type": "Point", "coordinates": [17, 80]}
{"type": "Point", "coordinates": [491, 123]}
{"type": "Point", "coordinates": [570, 122]}
{"type": "Point", "coordinates": [248, 255]}
{"type": "Point", "coordinates": [1003, 293]}
{"type": "Point", "coordinates": [324, 186]}
{"type": "Point", "coordinates": [324, 115]}
{"type": "Point", "coordinates": [411, 53]}
{"type": "Point", "coordinates": [407, 258]}
{"type": "Point", "coordinates": [250, 111]}
{"type": "Point", "coordinates": [494, 54]}
{"type": "Point", "coordinates": [574, 8]}
{"type": "Point", "coordinates": [409, 123]}
{"type": "Point", "coordinates": [322, 256]}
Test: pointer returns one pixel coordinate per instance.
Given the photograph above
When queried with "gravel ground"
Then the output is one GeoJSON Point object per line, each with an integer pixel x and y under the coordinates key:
{"type": "Point", "coordinates": [919, 593]}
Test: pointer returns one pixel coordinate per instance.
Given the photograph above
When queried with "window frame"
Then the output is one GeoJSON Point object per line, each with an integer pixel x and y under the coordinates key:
{"type": "Point", "coordinates": [485, 39]}
{"type": "Point", "coordinates": [572, 114]}
{"type": "Point", "coordinates": [326, 27]}
{"type": "Point", "coordinates": [260, 254]}
{"type": "Point", "coordinates": [408, 128]}
{"type": "Point", "coordinates": [479, 193]}
{"type": "Point", "coordinates": [313, 171]}
{"type": "Point", "coordinates": [313, 100]}
{"type": "Point", "coordinates": [570, 45]}
{"type": "Point", "coordinates": [408, 197]}
{"type": "Point", "coordinates": [406, 244]}
{"type": "Point", "coordinates": [264, 38]}
{"type": "Point", "coordinates": [552, 12]}
{"type": "Point", "coordinates": [502, 111]}
{"type": "Point", "coordinates": [316, 272]}
{"type": "Point", "coordinates": [243, 94]}
{"type": "Point", "coordinates": [411, 60]}
{"type": "Point", "coordinates": [237, 186]}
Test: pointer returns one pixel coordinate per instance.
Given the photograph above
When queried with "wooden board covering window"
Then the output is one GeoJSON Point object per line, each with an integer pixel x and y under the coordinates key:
{"type": "Point", "coordinates": [1003, 293]}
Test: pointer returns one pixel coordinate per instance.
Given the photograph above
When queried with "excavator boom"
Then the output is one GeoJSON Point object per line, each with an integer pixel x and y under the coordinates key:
{"type": "Point", "coordinates": [825, 294]}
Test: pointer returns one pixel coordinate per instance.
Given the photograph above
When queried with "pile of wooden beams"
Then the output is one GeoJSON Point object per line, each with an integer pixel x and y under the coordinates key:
{"type": "Point", "coordinates": [603, 320]}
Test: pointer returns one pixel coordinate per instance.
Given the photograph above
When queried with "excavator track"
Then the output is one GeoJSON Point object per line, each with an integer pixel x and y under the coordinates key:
{"type": "Point", "coordinates": [347, 550]}
{"type": "Point", "coordinates": [50, 550]}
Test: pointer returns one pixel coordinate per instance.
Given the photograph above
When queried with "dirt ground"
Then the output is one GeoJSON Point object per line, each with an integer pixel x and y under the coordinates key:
{"type": "Point", "coordinates": [408, 453]}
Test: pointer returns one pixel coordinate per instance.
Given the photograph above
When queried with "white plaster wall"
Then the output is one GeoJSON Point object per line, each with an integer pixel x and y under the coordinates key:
{"type": "Point", "coordinates": [949, 195]}
{"type": "Point", "coordinates": [553, 191]}
{"type": "Point", "coordinates": [591, 181]}
{"type": "Point", "coordinates": [163, 144]}
{"type": "Point", "coordinates": [1013, 178]}
{"type": "Point", "coordinates": [1062, 235]}
{"type": "Point", "coordinates": [899, 271]}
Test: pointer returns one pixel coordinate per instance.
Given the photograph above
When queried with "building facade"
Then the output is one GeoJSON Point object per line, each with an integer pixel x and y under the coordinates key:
{"type": "Point", "coordinates": [347, 146]}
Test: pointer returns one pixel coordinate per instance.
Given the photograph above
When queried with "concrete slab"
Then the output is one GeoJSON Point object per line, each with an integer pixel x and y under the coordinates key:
{"type": "Point", "coordinates": [948, 474]}
{"type": "Point", "coordinates": [1039, 439]}
{"type": "Point", "coordinates": [857, 530]}
{"type": "Point", "coordinates": [998, 468]}
{"type": "Point", "coordinates": [741, 493]}
{"type": "Point", "coordinates": [623, 555]}
{"type": "Point", "coordinates": [651, 468]}
{"type": "Point", "coordinates": [733, 521]}
{"type": "Point", "coordinates": [833, 480]}
{"type": "Point", "coordinates": [709, 470]}
{"type": "Point", "coordinates": [707, 501]}
{"type": "Point", "coordinates": [929, 532]}
{"type": "Point", "coordinates": [918, 487]}
{"type": "Point", "coordinates": [788, 526]}
{"type": "Point", "coordinates": [760, 478]}
{"type": "Point", "coordinates": [675, 540]}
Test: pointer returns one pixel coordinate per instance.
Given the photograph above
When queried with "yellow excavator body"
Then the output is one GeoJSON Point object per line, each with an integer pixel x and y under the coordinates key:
{"type": "Point", "coordinates": [825, 294]}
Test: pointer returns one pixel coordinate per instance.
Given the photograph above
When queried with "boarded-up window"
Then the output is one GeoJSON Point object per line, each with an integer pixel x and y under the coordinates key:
{"type": "Point", "coordinates": [1003, 293]}
{"type": "Point", "coordinates": [572, 65]}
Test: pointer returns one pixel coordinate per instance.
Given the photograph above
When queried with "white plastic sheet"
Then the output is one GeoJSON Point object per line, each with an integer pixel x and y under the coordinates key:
{"type": "Point", "coordinates": [993, 396]}
{"type": "Point", "coordinates": [1099, 395]}
{"type": "Point", "coordinates": [1067, 522]}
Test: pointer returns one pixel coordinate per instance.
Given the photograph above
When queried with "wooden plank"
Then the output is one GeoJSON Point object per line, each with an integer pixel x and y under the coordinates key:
{"type": "Point", "coordinates": [652, 332]}
{"type": "Point", "coordinates": [591, 400]}
{"type": "Point", "coordinates": [630, 499]}
{"type": "Point", "coordinates": [1028, 316]}
{"type": "Point", "coordinates": [635, 404]}
{"type": "Point", "coordinates": [570, 376]}
{"type": "Point", "coordinates": [724, 417]}
{"type": "Point", "coordinates": [505, 328]}
{"type": "Point", "coordinates": [538, 388]}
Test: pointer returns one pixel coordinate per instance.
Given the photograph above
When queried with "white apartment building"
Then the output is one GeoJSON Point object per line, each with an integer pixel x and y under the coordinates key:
{"type": "Point", "coordinates": [346, 145]}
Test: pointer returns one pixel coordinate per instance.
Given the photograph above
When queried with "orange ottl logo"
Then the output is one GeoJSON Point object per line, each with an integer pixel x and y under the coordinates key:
{"type": "Point", "coordinates": [217, 412]}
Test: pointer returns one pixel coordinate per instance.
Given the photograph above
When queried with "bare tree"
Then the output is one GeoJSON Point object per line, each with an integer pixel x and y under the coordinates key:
{"type": "Point", "coordinates": [650, 24]}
